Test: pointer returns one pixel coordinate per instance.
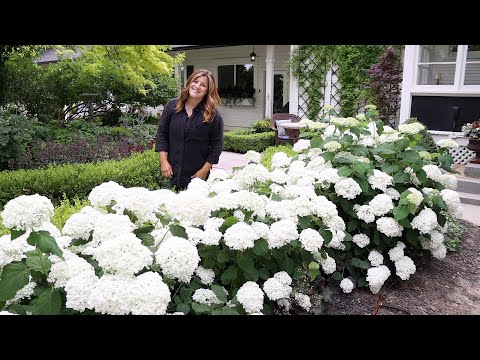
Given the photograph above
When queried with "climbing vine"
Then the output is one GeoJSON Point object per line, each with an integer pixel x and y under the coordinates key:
{"type": "Point", "coordinates": [310, 63]}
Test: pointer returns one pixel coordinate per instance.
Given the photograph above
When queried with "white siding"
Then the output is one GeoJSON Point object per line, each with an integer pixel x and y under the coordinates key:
{"type": "Point", "coordinates": [210, 58]}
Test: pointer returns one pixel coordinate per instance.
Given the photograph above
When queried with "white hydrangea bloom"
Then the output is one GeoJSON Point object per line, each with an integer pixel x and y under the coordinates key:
{"type": "Point", "coordinates": [275, 290]}
{"type": "Point", "coordinates": [216, 175]}
{"type": "Point", "coordinates": [347, 285]}
{"type": "Point", "coordinates": [367, 141]}
{"type": "Point", "coordinates": [104, 194]}
{"type": "Point", "coordinates": [396, 253]}
{"type": "Point", "coordinates": [211, 237]}
{"type": "Point", "coordinates": [278, 176]}
{"type": "Point", "coordinates": [345, 122]}
{"type": "Point", "coordinates": [26, 212]}
{"type": "Point", "coordinates": [190, 208]}
{"type": "Point", "coordinates": [205, 296]}
{"type": "Point", "coordinates": [381, 204]}
{"type": "Point", "coordinates": [302, 300]}
{"type": "Point", "coordinates": [361, 240]}
{"type": "Point", "coordinates": [63, 270]}
{"type": "Point", "coordinates": [332, 146]}
{"type": "Point", "coordinates": [253, 156]}
{"type": "Point", "coordinates": [376, 277]}
{"type": "Point", "coordinates": [125, 255]}
{"type": "Point", "coordinates": [452, 199]}
{"type": "Point", "coordinates": [251, 175]}
{"type": "Point", "coordinates": [240, 236]}
{"type": "Point", "coordinates": [415, 197]}
{"type": "Point", "coordinates": [314, 153]}
{"type": "Point", "coordinates": [329, 266]}
{"type": "Point", "coordinates": [380, 180]}
{"type": "Point", "coordinates": [448, 143]}
{"type": "Point", "coordinates": [375, 258]}
{"type": "Point", "coordinates": [281, 233]}
{"type": "Point", "coordinates": [79, 289]}
{"type": "Point", "coordinates": [425, 221]}
{"type": "Point", "coordinates": [433, 172]}
{"type": "Point", "coordinates": [250, 296]}
{"type": "Point", "coordinates": [213, 223]}
{"type": "Point", "coordinates": [113, 294]}
{"type": "Point", "coordinates": [449, 181]}
{"type": "Point", "coordinates": [151, 295]}
{"type": "Point", "coordinates": [221, 187]}
{"type": "Point", "coordinates": [280, 160]}
{"type": "Point", "coordinates": [207, 276]}
{"type": "Point", "coordinates": [300, 145]}
{"type": "Point", "coordinates": [194, 234]}
{"type": "Point", "coordinates": [178, 258]}
{"type": "Point", "coordinates": [283, 277]}
{"type": "Point", "coordinates": [109, 226]}
{"type": "Point", "coordinates": [239, 215]}
{"type": "Point", "coordinates": [261, 229]}
{"type": "Point", "coordinates": [404, 267]}
{"type": "Point", "coordinates": [364, 212]}
{"type": "Point", "coordinates": [311, 240]}
{"type": "Point", "coordinates": [81, 224]}
{"type": "Point", "coordinates": [25, 292]}
{"type": "Point", "coordinates": [389, 226]}
{"type": "Point", "coordinates": [411, 129]}
{"type": "Point", "coordinates": [14, 250]}
{"type": "Point", "coordinates": [439, 252]}
{"type": "Point", "coordinates": [329, 176]}
{"type": "Point", "coordinates": [348, 188]}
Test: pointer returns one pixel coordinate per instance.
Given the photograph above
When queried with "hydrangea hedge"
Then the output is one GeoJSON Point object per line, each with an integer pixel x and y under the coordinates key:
{"type": "Point", "coordinates": [357, 204]}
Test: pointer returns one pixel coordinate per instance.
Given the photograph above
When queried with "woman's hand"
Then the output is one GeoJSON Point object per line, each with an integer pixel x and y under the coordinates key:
{"type": "Point", "coordinates": [166, 169]}
{"type": "Point", "coordinates": [202, 174]}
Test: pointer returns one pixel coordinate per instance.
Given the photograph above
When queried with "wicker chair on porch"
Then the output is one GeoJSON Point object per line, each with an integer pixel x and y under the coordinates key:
{"type": "Point", "coordinates": [283, 137]}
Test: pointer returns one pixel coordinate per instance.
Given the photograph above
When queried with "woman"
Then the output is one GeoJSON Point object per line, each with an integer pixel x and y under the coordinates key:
{"type": "Point", "coordinates": [190, 131]}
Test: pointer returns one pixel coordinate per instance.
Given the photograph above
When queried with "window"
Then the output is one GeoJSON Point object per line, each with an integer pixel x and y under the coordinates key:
{"type": "Point", "coordinates": [236, 81]}
{"type": "Point", "coordinates": [457, 66]}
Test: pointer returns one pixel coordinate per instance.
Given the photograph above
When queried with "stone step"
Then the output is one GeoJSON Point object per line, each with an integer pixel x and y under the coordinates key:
{"type": "Point", "coordinates": [468, 185]}
{"type": "Point", "coordinates": [469, 198]}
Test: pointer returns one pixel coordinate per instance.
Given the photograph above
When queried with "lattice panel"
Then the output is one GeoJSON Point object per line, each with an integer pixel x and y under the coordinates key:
{"type": "Point", "coordinates": [462, 155]}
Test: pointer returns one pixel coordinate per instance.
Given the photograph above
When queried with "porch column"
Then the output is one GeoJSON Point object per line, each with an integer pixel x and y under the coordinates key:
{"type": "Point", "coordinates": [293, 93]}
{"type": "Point", "coordinates": [408, 82]}
{"type": "Point", "coordinates": [178, 76]}
{"type": "Point", "coordinates": [270, 60]}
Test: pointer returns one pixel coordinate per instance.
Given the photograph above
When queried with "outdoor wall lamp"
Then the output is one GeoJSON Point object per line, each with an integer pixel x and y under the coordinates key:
{"type": "Point", "coordinates": [253, 56]}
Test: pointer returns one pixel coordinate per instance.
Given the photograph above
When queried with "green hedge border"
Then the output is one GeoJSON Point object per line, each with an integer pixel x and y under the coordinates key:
{"type": "Point", "coordinates": [241, 141]}
{"type": "Point", "coordinates": [77, 180]}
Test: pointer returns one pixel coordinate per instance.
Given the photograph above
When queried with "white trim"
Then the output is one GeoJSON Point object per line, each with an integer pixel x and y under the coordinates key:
{"type": "Point", "coordinates": [409, 73]}
{"type": "Point", "coordinates": [293, 94]}
{"type": "Point", "coordinates": [270, 61]}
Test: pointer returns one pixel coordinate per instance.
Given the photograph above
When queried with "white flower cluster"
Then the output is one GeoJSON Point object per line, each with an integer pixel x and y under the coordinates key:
{"type": "Point", "coordinates": [348, 188]}
{"type": "Point", "coordinates": [253, 156]}
{"type": "Point", "coordinates": [448, 143]}
{"type": "Point", "coordinates": [389, 226]}
{"type": "Point", "coordinates": [452, 199]}
{"type": "Point", "coordinates": [278, 287]}
{"type": "Point", "coordinates": [411, 129]}
{"type": "Point", "coordinates": [380, 180]}
{"type": "Point", "coordinates": [361, 240]}
{"type": "Point", "coordinates": [332, 146]}
{"type": "Point", "coordinates": [240, 236]}
{"type": "Point", "coordinates": [345, 122]}
{"type": "Point", "coordinates": [347, 285]}
{"type": "Point", "coordinates": [376, 277]}
{"type": "Point", "coordinates": [250, 296]}
{"type": "Point", "coordinates": [205, 296]}
{"type": "Point", "coordinates": [178, 258]}
{"type": "Point", "coordinates": [311, 240]}
{"type": "Point", "coordinates": [425, 221]}
{"type": "Point", "coordinates": [81, 224]}
{"type": "Point", "coordinates": [381, 204]}
{"type": "Point", "coordinates": [375, 258]}
{"type": "Point", "coordinates": [207, 276]}
{"type": "Point", "coordinates": [301, 145]}
{"type": "Point", "coordinates": [27, 212]}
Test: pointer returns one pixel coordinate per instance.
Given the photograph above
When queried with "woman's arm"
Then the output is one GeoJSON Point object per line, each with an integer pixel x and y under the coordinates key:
{"type": "Point", "coordinates": [162, 143]}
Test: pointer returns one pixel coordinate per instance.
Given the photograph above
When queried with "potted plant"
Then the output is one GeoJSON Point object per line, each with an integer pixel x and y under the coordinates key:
{"type": "Point", "coordinates": [472, 133]}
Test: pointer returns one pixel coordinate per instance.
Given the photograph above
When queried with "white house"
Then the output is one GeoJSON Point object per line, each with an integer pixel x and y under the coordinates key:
{"type": "Point", "coordinates": [266, 74]}
{"type": "Point", "coordinates": [441, 87]}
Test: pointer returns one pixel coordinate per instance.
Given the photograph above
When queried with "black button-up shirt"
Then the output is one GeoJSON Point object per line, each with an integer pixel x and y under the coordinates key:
{"type": "Point", "coordinates": [188, 140]}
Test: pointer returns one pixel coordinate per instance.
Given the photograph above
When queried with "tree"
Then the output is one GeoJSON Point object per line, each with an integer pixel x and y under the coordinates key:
{"type": "Point", "coordinates": [107, 75]}
{"type": "Point", "coordinates": [386, 79]}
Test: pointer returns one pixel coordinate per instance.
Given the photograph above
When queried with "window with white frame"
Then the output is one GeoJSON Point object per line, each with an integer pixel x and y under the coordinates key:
{"type": "Point", "coordinates": [236, 81]}
{"type": "Point", "coordinates": [451, 65]}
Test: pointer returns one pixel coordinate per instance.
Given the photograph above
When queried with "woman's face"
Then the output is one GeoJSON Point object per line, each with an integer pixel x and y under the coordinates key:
{"type": "Point", "coordinates": [198, 88]}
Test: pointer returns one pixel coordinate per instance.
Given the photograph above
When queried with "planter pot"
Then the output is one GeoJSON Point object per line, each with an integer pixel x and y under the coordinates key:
{"type": "Point", "coordinates": [474, 145]}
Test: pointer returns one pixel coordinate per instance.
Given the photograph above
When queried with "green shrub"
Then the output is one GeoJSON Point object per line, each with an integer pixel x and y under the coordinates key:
{"type": "Point", "coordinates": [66, 209]}
{"type": "Point", "coordinates": [427, 141]}
{"type": "Point", "coordinates": [77, 180]}
{"type": "Point", "coordinates": [271, 150]}
{"type": "Point", "coordinates": [261, 126]}
{"type": "Point", "coordinates": [243, 140]}
{"type": "Point", "coordinates": [453, 237]}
